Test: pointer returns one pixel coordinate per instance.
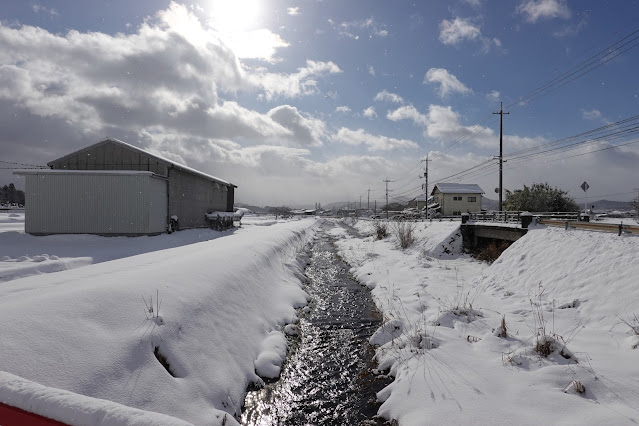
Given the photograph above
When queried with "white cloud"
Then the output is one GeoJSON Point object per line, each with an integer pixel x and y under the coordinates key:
{"type": "Point", "coordinates": [258, 44]}
{"type": "Point", "coordinates": [443, 124]}
{"type": "Point", "coordinates": [454, 32]}
{"type": "Point", "coordinates": [274, 175]}
{"type": "Point", "coordinates": [164, 77]}
{"type": "Point", "coordinates": [448, 83]}
{"type": "Point", "coordinates": [572, 30]}
{"type": "Point", "coordinates": [371, 70]}
{"type": "Point", "coordinates": [373, 142]}
{"type": "Point", "coordinates": [306, 130]}
{"type": "Point", "coordinates": [37, 8]}
{"type": "Point", "coordinates": [593, 114]}
{"type": "Point", "coordinates": [493, 95]}
{"type": "Point", "coordinates": [385, 96]}
{"type": "Point", "coordinates": [544, 9]}
{"type": "Point", "coordinates": [458, 30]}
{"type": "Point", "coordinates": [293, 11]}
{"type": "Point", "coordinates": [303, 82]}
{"type": "Point", "coordinates": [342, 108]}
{"type": "Point", "coordinates": [352, 29]}
{"type": "Point", "coordinates": [369, 112]}
{"type": "Point", "coordinates": [408, 112]}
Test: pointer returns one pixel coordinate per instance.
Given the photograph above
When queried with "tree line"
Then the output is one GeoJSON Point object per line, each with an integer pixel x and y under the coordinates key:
{"type": "Point", "coordinates": [10, 195]}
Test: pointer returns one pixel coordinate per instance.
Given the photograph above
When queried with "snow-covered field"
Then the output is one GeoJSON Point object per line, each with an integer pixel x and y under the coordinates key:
{"type": "Point", "coordinates": [79, 344]}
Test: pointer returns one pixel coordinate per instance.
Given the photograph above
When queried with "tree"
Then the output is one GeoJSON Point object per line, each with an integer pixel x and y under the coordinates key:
{"type": "Point", "coordinates": [393, 207]}
{"type": "Point", "coordinates": [634, 204]}
{"type": "Point", "coordinates": [540, 197]}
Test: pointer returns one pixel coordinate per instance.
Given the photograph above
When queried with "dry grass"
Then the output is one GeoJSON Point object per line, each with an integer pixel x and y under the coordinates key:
{"type": "Point", "coordinates": [381, 230]}
{"type": "Point", "coordinates": [404, 232]}
{"type": "Point", "coordinates": [491, 251]}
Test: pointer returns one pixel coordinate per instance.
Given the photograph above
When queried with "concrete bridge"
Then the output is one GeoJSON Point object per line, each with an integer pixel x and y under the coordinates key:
{"type": "Point", "coordinates": [475, 234]}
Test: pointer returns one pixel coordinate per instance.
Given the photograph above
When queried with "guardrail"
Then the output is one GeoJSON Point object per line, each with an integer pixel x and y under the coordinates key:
{"type": "Point", "coordinates": [515, 216]}
{"type": "Point", "coordinates": [601, 227]}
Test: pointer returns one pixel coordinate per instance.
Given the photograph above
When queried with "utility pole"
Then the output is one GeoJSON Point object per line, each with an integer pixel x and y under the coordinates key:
{"type": "Point", "coordinates": [386, 181]}
{"type": "Point", "coordinates": [501, 151]}
{"type": "Point", "coordinates": [425, 185]}
{"type": "Point", "coordinates": [368, 204]}
{"type": "Point", "coordinates": [360, 202]}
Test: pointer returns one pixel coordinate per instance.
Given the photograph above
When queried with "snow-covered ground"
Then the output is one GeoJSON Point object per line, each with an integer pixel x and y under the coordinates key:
{"type": "Point", "coordinates": [223, 302]}
{"type": "Point", "coordinates": [443, 315]}
{"type": "Point", "coordinates": [226, 297]}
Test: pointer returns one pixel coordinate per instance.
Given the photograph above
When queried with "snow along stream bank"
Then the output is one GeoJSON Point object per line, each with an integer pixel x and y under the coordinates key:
{"type": "Point", "coordinates": [88, 330]}
{"type": "Point", "coordinates": [443, 343]}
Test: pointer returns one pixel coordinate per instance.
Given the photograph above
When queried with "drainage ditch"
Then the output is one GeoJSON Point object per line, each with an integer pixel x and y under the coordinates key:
{"type": "Point", "coordinates": [327, 377]}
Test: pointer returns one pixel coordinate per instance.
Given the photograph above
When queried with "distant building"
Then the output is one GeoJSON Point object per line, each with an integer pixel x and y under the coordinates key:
{"type": "Point", "coordinates": [113, 188]}
{"type": "Point", "coordinates": [419, 202]}
{"type": "Point", "coordinates": [453, 199]}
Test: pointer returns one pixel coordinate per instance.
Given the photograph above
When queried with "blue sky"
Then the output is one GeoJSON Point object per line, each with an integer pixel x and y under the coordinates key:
{"type": "Point", "coordinates": [298, 102]}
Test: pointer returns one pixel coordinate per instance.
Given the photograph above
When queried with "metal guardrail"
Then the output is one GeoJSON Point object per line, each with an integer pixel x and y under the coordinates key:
{"type": "Point", "coordinates": [515, 216]}
{"type": "Point", "coordinates": [601, 227]}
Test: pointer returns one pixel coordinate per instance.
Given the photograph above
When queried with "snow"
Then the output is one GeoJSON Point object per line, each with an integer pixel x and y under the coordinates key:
{"type": "Point", "coordinates": [443, 312]}
{"type": "Point", "coordinates": [272, 354]}
{"type": "Point", "coordinates": [72, 408]}
{"type": "Point", "coordinates": [81, 172]}
{"type": "Point", "coordinates": [81, 341]}
{"type": "Point", "coordinates": [88, 330]}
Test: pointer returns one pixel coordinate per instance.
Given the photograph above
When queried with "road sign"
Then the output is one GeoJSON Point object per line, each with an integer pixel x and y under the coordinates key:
{"type": "Point", "coordinates": [585, 186]}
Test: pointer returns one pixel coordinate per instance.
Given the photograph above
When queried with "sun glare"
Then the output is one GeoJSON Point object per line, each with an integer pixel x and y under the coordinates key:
{"type": "Point", "coordinates": [235, 15]}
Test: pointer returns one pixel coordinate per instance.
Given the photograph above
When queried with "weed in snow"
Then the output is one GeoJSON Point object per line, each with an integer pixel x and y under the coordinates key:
{"type": "Point", "coordinates": [151, 312]}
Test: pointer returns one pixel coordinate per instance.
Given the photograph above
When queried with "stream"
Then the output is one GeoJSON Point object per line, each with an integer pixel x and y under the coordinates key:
{"type": "Point", "coordinates": [326, 379]}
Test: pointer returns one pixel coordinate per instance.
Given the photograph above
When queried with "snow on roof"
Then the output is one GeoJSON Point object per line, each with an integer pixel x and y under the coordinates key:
{"type": "Point", "coordinates": [420, 197]}
{"type": "Point", "coordinates": [458, 188]}
{"type": "Point", "coordinates": [154, 156]}
{"type": "Point", "coordinates": [80, 172]}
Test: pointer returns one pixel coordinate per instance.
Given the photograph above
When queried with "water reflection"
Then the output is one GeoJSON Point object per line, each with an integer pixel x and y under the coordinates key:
{"type": "Point", "coordinates": [325, 381]}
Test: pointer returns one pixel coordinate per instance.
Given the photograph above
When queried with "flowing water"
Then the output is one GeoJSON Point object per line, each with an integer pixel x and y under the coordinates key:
{"type": "Point", "coordinates": [326, 379]}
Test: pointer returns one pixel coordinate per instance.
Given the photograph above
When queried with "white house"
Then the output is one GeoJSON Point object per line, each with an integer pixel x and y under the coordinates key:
{"type": "Point", "coordinates": [457, 198]}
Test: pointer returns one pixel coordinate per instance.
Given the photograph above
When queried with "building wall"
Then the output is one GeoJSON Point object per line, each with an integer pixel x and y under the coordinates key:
{"type": "Point", "coordinates": [450, 205]}
{"type": "Point", "coordinates": [418, 204]}
{"type": "Point", "coordinates": [108, 204]}
{"type": "Point", "coordinates": [111, 156]}
{"type": "Point", "coordinates": [192, 196]}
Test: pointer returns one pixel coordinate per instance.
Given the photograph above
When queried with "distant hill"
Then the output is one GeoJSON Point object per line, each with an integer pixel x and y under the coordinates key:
{"type": "Point", "coordinates": [489, 204]}
{"type": "Point", "coordinates": [610, 205]}
{"type": "Point", "coordinates": [254, 209]}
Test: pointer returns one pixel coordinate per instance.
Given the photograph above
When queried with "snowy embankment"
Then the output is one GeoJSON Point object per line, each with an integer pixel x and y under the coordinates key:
{"type": "Point", "coordinates": [88, 331]}
{"type": "Point", "coordinates": [574, 292]}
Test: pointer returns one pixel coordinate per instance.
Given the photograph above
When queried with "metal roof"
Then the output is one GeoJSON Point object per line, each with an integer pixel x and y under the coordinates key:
{"type": "Point", "coordinates": [458, 188]}
{"type": "Point", "coordinates": [158, 158]}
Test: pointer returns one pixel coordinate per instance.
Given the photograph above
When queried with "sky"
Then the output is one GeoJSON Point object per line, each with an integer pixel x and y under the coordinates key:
{"type": "Point", "coordinates": [317, 101]}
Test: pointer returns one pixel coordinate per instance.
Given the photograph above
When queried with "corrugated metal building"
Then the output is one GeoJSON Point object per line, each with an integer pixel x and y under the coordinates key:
{"type": "Point", "coordinates": [114, 188]}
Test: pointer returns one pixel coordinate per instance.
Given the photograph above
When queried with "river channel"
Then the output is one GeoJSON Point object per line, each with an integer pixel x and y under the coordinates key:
{"type": "Point", "coordinates": [326, 378]}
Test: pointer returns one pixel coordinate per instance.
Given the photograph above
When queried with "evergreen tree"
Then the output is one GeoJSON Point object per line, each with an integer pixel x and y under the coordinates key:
{"type": "Point", "coordinates": [540, 197]}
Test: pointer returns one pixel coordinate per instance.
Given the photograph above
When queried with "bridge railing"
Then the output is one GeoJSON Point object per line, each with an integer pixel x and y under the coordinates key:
{"type": "Point", "coordinates": [619, 228]}
{"type": "Point", "coordinates": [515, 216]}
